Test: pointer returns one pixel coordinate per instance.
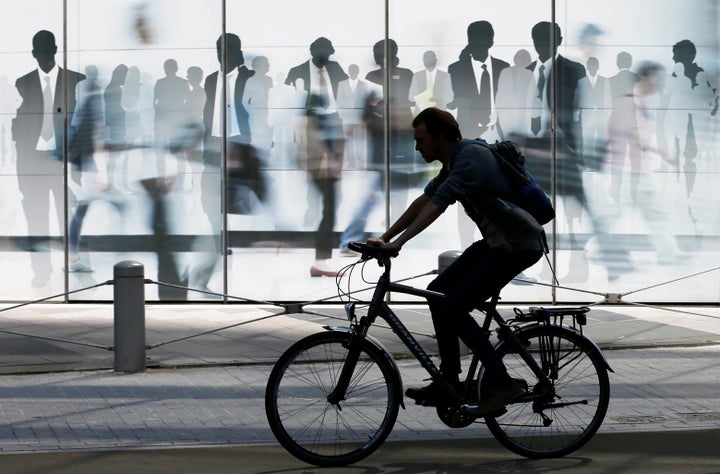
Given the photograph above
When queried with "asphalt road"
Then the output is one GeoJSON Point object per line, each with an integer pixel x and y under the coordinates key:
{"type": "Point", "coordinates": [688, 451]}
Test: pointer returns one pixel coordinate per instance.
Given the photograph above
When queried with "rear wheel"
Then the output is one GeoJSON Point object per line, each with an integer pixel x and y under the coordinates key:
{"type": "Point", "coordinates": [558, 419]}
{"type": "Point", "coordinates": [320, 432]}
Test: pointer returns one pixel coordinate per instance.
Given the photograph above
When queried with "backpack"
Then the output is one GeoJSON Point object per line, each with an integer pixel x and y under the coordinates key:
{"type": "Point", "coordinates": [530, 196]}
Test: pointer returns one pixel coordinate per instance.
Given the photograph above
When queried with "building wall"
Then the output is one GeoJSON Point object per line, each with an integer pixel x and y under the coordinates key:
{"type": "Point", "coordinates": [634, 179]}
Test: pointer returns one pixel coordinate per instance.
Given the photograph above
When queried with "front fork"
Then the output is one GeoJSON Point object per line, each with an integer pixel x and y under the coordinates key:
{"type": "Point", "coordinates": [354, 347]}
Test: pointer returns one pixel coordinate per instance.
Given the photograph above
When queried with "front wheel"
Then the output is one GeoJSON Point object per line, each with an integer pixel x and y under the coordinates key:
{"type": "Point", "coordinates": [312, 428]}
{"type": "Point", "coordinates": [555, 420]}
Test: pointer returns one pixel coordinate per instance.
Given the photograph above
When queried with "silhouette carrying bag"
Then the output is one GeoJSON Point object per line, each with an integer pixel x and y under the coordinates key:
{"type": "Point", "coordinates": [531, 196]}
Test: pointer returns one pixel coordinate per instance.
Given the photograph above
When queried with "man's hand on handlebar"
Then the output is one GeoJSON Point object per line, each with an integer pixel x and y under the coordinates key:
{"type": "Point", "coordinates": [392, 246]}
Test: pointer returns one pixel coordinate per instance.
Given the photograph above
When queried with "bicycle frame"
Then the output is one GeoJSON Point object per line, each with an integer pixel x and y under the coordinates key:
{"type": "Point", "coordinates": [379, 308]}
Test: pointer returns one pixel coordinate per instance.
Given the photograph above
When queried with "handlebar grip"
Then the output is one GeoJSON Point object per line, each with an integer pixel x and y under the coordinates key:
{"type": "Point", "coordinates": [371, 251]}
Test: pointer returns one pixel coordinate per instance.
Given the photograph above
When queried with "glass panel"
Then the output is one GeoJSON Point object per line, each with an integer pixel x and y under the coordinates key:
{"type": "Point", "coordinates": [647, 112]}
{"type": "Point", "coordinates": [621, 128]}
{"type": "Point", "coordinates": [137, 169]}
{"type": "Point", "coordinates": [448, 47]}
{"type": "Point", "coordinates": [315, 178]}
{"type": "Point", "coordinates": [33, 112]}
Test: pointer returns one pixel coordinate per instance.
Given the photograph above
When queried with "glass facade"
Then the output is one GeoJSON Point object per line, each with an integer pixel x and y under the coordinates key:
{"type": "Point", "coordinates": [235, 146]}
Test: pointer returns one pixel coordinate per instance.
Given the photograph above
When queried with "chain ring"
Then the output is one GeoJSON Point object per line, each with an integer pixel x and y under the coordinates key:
{"type": "Point", "coordinates": [453, 418]}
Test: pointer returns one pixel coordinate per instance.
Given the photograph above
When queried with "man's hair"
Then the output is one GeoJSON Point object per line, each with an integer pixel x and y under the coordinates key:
{"type": "Point", "coordinates": [439, 123]}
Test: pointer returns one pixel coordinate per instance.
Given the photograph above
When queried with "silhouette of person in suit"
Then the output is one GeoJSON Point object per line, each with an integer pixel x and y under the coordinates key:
{"type": "Point", "coordinates": [325, 140]}
{"type": "Point", "coordinates": [475, 78]}
{"type": "Point", "coordinates": [431, 84]}
{"type": "Point", "coordinates": [403, 167]}
{"type": "Point", "coordinates": [48, 96]}
{"type": "Point", "coordinates": [223, 115]}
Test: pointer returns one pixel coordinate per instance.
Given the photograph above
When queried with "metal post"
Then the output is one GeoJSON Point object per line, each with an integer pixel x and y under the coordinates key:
{"type": "Point", "coordinates": [129, 307]}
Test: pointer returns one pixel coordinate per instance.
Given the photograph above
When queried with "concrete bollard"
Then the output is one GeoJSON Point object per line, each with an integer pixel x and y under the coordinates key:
{"type": "Point", "coordinates": [129, 311]}
{"type": "Point", "coordinates": [446, 258]}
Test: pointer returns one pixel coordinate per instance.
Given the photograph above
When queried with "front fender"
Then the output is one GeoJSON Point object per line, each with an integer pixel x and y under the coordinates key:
{"type": "Point", "coordinates": [379, 346]}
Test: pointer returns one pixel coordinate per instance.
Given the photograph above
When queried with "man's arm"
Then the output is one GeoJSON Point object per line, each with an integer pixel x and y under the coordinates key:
{"type": "Point", "coordinates": [418, 216]}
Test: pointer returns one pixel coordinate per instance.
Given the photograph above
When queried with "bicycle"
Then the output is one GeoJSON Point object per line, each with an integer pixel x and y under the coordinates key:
{"type": "Point", "coordinates": [333, 397]}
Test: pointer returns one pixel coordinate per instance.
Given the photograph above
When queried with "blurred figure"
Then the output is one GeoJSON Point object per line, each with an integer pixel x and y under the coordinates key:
{"type": "Point", "coordinates": [115, 121]}
{"type": "Point", "coordinates": [86, 139]}
{"type": "Point", "coordinates": [622, 128]}
{"type": "Point", "coordinates": [8, 103]}
{"type": "Point", "coordinates": [38, 132]}
{"type": "Point", "coordinates": [595, 104]}
{"type": "Point", "coordinates": [135, 133]}
{"type": "Point", "coordinates": [404, 170]}
{"type": "Point", "coordinates": [430, 87]}
{"type": "Point", "coordinates": [223, 115]}
{"type": "Point", "coordinates": [475, 83]}
{"type": "Point", "coordinates": [171, 94]}
{"type": "Point", "coordinates": [195, 104]}
{"type": "Point", "coordinates": [159, 189]}
{"type": "Point", "coordinates": [653, 199]}
{"type": "Point", "coordinates": [351, 105]}
{"type": "Point", "coordinates": [256, 99]}
{"type": "Point", "coordinates": [325, 141]}
{"type": "Point", "coordinates": [286, 108]}
{"type": "Point", "coordinates": [510, 99]}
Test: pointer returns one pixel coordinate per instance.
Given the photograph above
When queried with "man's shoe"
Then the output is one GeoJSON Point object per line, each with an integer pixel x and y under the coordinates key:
{"type": "Point", "coordinates": [500, 395]}
{"type": "Point", "coordinates": [430, 395]}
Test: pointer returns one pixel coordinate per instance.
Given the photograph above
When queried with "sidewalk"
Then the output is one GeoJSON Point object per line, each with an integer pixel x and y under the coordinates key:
{"type": "Point", "coordinates": [208, 390]}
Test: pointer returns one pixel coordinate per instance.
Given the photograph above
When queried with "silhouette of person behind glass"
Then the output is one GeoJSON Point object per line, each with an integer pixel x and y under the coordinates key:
{"type": "Point", "coordinates": [703, 103]}
{"type": "Point", "coordinates": [194, 105]}
{"type": "Point", "coordinates": [48, 96]}
{"type": "Point", "coordinates": [431, 84]}
{"type": "Point", "coordinates": [475, 83]}
{"type": "Point", "coordinates": [235, 125]}
{"type": "Point", "coordinates": [351, 104]}
{"type": "Point", "coordinates": [115, 122]}
{"type": "Point", "coordinates": [325, 140]}
{"type": "Point", "coordinates": [595, 104]}
{"type": "Point", "coordinates": [510, 100]}
{"type": "Point", "coordinates": [256, 100]}
{"type": "Point", "coordinates": [403, 166]}
{"type": "Point", "coordinates": [622, 128]}
{"type": "Point", "coordinates": [171, 93]}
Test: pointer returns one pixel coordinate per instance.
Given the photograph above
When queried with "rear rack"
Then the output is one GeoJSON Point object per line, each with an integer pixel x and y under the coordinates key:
{"type": "Point", "coordinates": [542, 314]}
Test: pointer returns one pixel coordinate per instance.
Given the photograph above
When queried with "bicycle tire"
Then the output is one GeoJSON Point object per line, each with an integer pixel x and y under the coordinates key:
{"type": "Point", "coordinates": [581, 392]}
{"type": "Point", "coordinates": [316, 431]}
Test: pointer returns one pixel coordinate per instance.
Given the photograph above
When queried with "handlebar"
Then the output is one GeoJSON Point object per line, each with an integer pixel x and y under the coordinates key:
{"type": "Point", "coordinates": [372, 251]}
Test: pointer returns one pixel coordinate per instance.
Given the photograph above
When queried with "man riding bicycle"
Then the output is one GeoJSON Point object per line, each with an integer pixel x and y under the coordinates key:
{"type": "Point", "coordinates": [512, 241]}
